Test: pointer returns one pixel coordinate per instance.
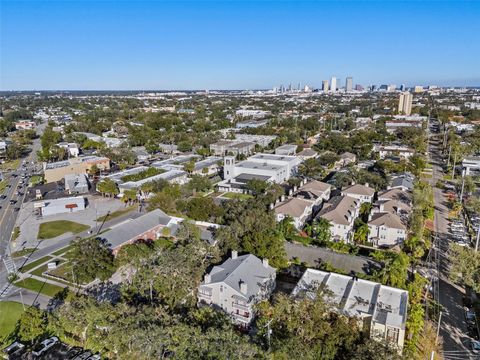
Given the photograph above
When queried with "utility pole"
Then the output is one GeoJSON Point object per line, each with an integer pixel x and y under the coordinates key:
{"type": "Point", "coordinates": [463, 185]}
{"type": "Point", "coordinates": [478, 236]}
{"type": "Point", "coordinates": [454, 164]}
{"type": "Point", "coordinates": [438, 328]}
{"type": "Point", "coordinates": [269, 333]}
{"type": "Point", "coordinates": [449, 152]}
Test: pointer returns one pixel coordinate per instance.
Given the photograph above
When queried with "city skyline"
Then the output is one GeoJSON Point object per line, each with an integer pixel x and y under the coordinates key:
{"type": "Point", "coordinates": [235, 45]}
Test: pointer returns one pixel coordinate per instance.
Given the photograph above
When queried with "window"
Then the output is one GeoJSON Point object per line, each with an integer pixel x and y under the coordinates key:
{"type": "Point", "coordinates": [221, 288]}
{"type": "Point", "coordinates": [392, 334]}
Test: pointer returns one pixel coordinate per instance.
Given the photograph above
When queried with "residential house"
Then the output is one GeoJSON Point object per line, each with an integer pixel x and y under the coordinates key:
{"type": "Point", "coordinates": [296, 208]}
{"type": "Point", "coordinates": [386, 229]}
{"type": "Point", "coordinates": [345, 159]}
{"type": "Point", "coordinates": [364, 193]}
{"type": "Point", "coordinates": [403, 181]}
{"type": "Point", "coordinates": [315, 191]}
{"type": "Point", "coordinates": [306, 154]}
{"type": "Point", "coordinates": [402, 151]}
{"type": "Point", "coordinates": [341, 211]}
{"type": "Point", "coordinates": [25, 125]}
{"type": "Point", "coordinates": [237, 285]}
{"type": "Point", "coordinates": [381, 310]}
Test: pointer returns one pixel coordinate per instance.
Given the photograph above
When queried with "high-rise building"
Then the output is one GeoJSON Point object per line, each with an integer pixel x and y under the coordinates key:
{"type": "Point", "coordinates": [418, 89]}
{"type": "Point", "coordinates": [333, 84]}
{"type": "Point", "coordinates": [358, 87]}
{"type": "Point", "coordinates": [405, 103]}
{"type": "Point", "coordinates": [325, 85]}
{"type": "Point", "coordinates": [349, 84]}
{"type": "Point", "coordinates": [402, 87]}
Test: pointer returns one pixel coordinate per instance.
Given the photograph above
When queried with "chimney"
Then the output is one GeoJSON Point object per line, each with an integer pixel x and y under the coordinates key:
{"type": "Point", "coordinates": [282, 198]}
{"type": "Point", "coordinates": [243, 287]}
{"type": "Point", "coordinates": [265, 263]}
{"type": "Point", "coordinates": [271, 206]}
{"type": "Point", "coordinates": [381, 207]}
{"type": "Point", "coordinates": [207, 279]}
{"type": "Point", "coordinates": [234, 254]}
{"type": "Point", "coordinates": [353, 182]}
{"type": "Point", "coordinates": [290, 192]}
{"type": "Point", "coordinates": [294, 188]}
{"type": "Point", "coordinates": [366, 184]}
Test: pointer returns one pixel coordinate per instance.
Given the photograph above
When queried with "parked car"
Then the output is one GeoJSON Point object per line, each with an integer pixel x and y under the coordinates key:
{"type": "Point", "coordinates": [44, 346]}
{"type": "Point", "coordinates": [83, 356]}
{"type": "Point", "coordinates": [95, 357]}
{"type": "Point", "coordinates": [73, 352]}
{"type": "Point", "coordinates": [475, 346]}
{"type": "Point", "coordinates": [469, 314]}
{"type": "Point", "coordinates": [13, 348]}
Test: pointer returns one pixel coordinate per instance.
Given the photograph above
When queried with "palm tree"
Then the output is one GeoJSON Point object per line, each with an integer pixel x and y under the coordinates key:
{"type": "Point", "coordinates": [361, 234]}
{"type": "Point", "coordinates": [321, 229]}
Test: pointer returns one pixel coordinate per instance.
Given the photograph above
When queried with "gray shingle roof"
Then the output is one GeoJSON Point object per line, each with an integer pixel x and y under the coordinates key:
{"type": "Point", "coordinates": [245, 268]}
{"type": "Point", "coordinates": [132, 228]}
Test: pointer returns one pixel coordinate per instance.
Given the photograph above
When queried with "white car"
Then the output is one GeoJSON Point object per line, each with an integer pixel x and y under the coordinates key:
{"type": "Point", "coordinates": [44, 346]}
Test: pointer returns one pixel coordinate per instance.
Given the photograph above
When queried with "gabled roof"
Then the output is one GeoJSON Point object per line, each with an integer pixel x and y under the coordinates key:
{"type": "Point", "coordinates": [358, 189]}
{"type": "Point", "coordinates": [132, 228]}
{"type": "Point", "coordinates": [316, 186]}
{"type": "Point", "coordinates": [387, 219]}
{"type": "Point", "coordinates": [393, 206]}
{"type": "Point", "coordinates": [396, 194]}
{"type": "Point", "coordinates": [338, 209]}
{"type": "Point", "coordinates": [294, 207]}
{"type": "Point", "coordinates": [307, 152]}
{"type": "Point", "coordinates": [248, 269]}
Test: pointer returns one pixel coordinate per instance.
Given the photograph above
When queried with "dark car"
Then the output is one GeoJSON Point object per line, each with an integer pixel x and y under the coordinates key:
{"type": "Point", "coordinates": [13, 202]}
{"type": "Point", "coordinates": [16, 209]}
{"type": "Point", "coordinates": [3, 197]}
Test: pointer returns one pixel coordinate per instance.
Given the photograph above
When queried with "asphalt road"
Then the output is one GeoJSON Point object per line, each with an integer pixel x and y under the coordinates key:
{"type": "Point", "coordinates": [453, 328]}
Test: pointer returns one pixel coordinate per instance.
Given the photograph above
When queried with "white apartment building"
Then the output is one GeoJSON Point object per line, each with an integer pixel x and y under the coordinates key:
{"type": "Point", "coordinates": [381, 310]}
{"type": "Point", "coordinates": [237, 285]}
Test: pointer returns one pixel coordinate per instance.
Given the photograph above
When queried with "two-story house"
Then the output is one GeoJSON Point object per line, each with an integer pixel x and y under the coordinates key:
{"type": "Point", "coordinates": [237, 285]}
{"type": "Point", "coordinates": [386, 229]}
{"type": "Point", "coordinates": [364, 193]}
{"type": "Point", "coordinates": [341, 211]}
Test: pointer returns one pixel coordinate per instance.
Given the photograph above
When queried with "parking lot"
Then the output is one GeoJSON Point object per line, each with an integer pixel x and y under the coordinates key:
{"type": "Point", "coordinates": [29, 222]}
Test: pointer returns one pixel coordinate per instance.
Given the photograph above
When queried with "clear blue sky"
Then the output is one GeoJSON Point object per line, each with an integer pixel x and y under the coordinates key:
{"type": "Point", "coordinates": [235, 45]}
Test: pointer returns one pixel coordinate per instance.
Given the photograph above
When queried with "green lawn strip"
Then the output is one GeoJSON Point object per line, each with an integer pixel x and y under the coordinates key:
{"type": "Point", "coordinates": [52, 229]}
{"type": "Point", "coordinates": [40, 270]}
{"type": "Point", "coordinates": [63, 250]}
{"type": "Point", "coordinates": [63, 271]}
{"type": "Point", "coordinates": [16, 232]}
{"type": "Point", "coordinates": [35, 263]}
{"type": "Point", "coordinates": [39, 286]}
{"type": "Point", "coordinates": [237, 196]}
{"type": "Point", "coordinates": [3, 186]}
{"type": "Point", "coordinates": [35, 180]}
{"type": "Point", "coordinates": [23, 252]}
{"type": "Point", "coordinates": [10, 165]}
{"type": "Point", "coordinates": [117, 213]}
{"type": "Point", "coordinates": [10, 312]}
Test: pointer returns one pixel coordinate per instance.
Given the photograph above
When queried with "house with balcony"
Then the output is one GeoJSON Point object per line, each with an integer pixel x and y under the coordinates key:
{"type": "Point", "coordinates": [363, 193]}
{"type": "Point", "coordinates": [237, 285]}
{"type": "Point", "coordinates": [341, 212]}
{"type": "Point", "coordinates": [296, 208]}
{"type": "Point", "coordinates": [386, 229]}
{"type": "Point", "coordinates": [381, 310]}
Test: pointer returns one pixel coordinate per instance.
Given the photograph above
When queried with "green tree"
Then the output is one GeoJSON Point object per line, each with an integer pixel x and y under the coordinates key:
{"type": "Point", "coordinates": [32, 324]}
{"type": "Point", "coordinates": [321, 230]}
{"type": "Point", "coordinates": [361, 233]}
{"type": "Point", "coordinates": [257, 186]}
{"type": "Point", "coordinates": [311, 168]}
{"type": "Point", "coordinates": [91, 259]}
{"type": "Point", "coordinates": [107, 187]}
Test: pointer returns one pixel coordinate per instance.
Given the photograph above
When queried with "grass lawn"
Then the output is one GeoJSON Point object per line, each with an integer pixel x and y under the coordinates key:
{"type": "Point", "coordinates": [35, 180]}
{"type": "Point", "coordinates": [23, 252]}
{"type": "Point", "coordinates": [16, 232]}
{"type": "Point", "coordinates": [10, 165]}
{"type": "Point", "coordinates": [63, 250]}
{"type": "Point", "coordinates": [3, 185]}
{"type": "Point", "coordinates": [40, 270]}
{"type": "Point", "coordinates": [35, 263]}
{"type": "Point", "coordinates": [63, 271]}
{"type": "Point", "coordinates": [10, 312]}
{"type": "Point", "coordinates": [237, 196]}
{"type": "Point", "coordinates": [39, 286]}
{"type": "Point", "coordinates": [117, 213]}
{"type": "Point", "coordinates": [51, 229]}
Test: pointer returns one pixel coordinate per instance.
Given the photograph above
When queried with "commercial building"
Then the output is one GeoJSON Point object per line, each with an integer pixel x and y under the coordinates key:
{"type": "Point", "coordinates": [232, 147]}
{"type": "Point", "coordinates": [349, 84]}
{"type": "Point", "coordinates": [76, 184]}
{"type": "Point", "coordinates": [288, 149]}
{"type": "Point", "coordinates": [325, 85]}
{"type": "Point", "coordinates": [81, 165]}
{"type": "Point", "coordinates": [262, 140]}
{"type": "Point", "coordinates": [401, 151]}
{"type": "Point", "coordinates": [60, 206]}
{"type": "Point", "coordinates": [381, 310]}
{"type": "Point", "coordinates": [237, 285]}
{"type": "Point", "coordinates": [471, 164]}
{"type": "Point", "coordinates": [405, 103]}
{"type": "Point", "coordinates": [333, 84]}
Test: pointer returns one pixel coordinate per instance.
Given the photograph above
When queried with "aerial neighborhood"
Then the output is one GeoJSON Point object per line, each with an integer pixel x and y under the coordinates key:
{"type": "Point", "coordinates": [255, 218]}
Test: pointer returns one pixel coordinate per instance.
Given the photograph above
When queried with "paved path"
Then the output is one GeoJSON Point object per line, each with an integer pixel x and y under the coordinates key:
{"type": "Point", "coordinates": [453, 329]}
{"type": "Point", "coordinates": [313, 255]}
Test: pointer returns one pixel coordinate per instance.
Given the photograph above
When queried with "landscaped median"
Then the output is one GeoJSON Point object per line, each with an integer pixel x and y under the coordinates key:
{"type": "Point", "coordinates": [39, 287]}
{"type": "Point", "coordinates": [52, 229]}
